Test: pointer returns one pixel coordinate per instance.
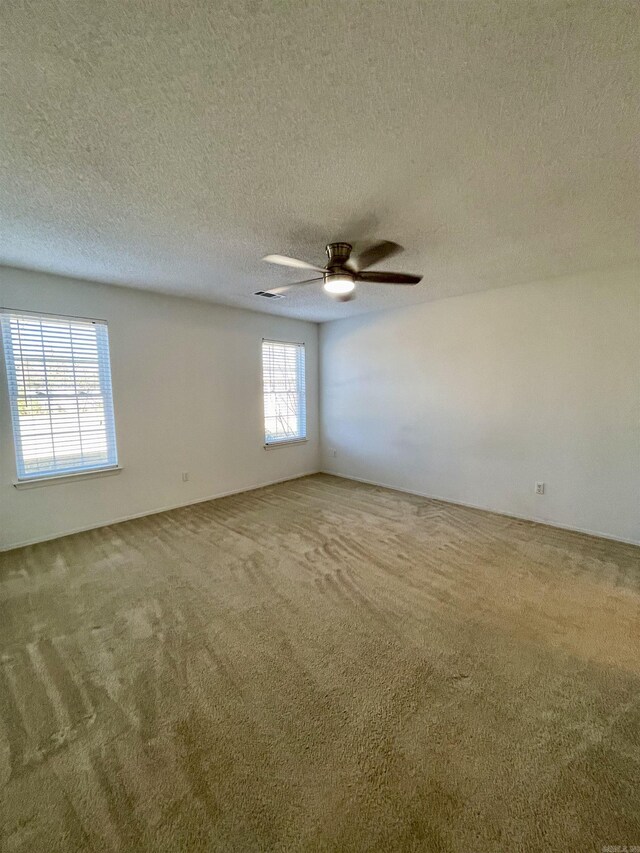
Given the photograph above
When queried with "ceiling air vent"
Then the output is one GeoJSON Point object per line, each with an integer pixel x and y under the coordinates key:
{"type": "Point", "coordinates": [268, 295]}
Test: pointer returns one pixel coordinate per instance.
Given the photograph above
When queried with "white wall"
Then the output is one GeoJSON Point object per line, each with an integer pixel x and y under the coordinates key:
{"type": "Point", "coordinates": [474, 398]}
{"type": "Point", "coordinates": [187, 390]}
{"type": "Point", "coordinates": [470, 399]}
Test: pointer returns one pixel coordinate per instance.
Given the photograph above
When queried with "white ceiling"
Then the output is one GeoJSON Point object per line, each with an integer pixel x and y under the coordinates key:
{"type": "Point", "coordinates": [169, 146]}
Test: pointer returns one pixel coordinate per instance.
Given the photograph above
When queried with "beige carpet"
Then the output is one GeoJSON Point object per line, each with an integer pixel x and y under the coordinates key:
{"type": "Point", "coordinates": [320, 665]}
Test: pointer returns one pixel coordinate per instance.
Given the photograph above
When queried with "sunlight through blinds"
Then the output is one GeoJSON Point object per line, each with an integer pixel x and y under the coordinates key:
{"type": "Point", "coordinates": [285, 404]}
{"type": "Point", "coordinates": [60, 394]}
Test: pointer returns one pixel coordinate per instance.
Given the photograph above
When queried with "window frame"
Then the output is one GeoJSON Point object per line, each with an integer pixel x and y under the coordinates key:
{"type": "Point", "coordinates": [285, 442]}
{"type": "Point", "coordinates": [9, 362]}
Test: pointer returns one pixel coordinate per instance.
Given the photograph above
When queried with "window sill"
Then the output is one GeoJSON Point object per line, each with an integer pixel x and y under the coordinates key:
{"type": "Point", "coordinates": [34, 482]}
{"type": "Point", "coordinates": [285, 443]}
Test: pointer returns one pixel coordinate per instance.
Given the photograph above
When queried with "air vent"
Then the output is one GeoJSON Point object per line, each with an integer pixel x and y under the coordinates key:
{"type": "Point", "coordinates": [268, 295]}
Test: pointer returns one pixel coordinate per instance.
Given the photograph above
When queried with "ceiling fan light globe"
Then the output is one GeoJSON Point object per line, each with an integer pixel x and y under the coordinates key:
{"type": "Point", "coordinates": [339, 284]}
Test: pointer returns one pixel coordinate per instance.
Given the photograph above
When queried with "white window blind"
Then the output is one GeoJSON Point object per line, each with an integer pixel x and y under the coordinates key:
{"type": "Point", "coordinates": [285, 400]}
{"type": "Point", "coordinates": [60, 394]}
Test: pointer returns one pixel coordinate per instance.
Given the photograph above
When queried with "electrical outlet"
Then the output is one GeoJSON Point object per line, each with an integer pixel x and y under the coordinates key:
{"type": "Point", "coordinates": [539, 488]}
{"type": "Point", "coordinates": [185, 476]}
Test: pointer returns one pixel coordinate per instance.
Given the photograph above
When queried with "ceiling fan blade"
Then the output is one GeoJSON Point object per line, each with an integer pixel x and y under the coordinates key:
{"type": "Point", "coordinates": [376, 253]}
{"type": "Point", "coordinates": [388, 277]}
{"type": "Point", "coordinates": [278, 291]}
{"type": "Point", "coordinates": [285, 261]}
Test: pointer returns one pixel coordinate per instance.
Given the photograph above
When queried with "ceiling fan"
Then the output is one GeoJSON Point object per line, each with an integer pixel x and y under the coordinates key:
{"type": "Point", "coordinates": [340, 275]}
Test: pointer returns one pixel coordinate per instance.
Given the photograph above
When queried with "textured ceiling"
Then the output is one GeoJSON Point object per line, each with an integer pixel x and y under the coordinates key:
{"type": "Point", "coordinates": [169, 145]}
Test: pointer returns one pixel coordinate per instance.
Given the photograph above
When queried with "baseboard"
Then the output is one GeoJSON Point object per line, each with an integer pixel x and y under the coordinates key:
{"type": "Point", "coordinates": [535, 520]}
{"type": "Point", "coordinates": [154, 512]}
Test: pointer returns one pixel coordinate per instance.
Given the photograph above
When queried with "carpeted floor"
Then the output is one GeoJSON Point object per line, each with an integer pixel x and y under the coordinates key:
{"type": "Point", "coordinates": [322, 666]}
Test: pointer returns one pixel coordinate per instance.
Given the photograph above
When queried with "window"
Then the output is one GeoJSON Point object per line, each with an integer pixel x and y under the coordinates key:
{"type": "Point", "coordinates": [285, 402]}
{"type": "Point", "coordinates": [60, 394]}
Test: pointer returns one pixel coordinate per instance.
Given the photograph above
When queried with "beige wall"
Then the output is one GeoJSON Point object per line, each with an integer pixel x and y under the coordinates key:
{"type": "Point", "coordinates": [187, 395]}
{"type": "Point", "coordinates": [475, 398]}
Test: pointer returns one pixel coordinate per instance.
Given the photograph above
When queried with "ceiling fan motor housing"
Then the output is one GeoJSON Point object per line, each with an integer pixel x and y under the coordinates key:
{"type": "Point", "coordinates": [338, 281]}
{"type": "Point", "coordinates": [338, 254]}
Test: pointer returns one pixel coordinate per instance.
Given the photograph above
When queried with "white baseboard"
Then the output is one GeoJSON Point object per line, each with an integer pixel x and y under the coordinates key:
{"type": "Point", "coordinates": [12, 547]}
{"type": "Point", "coordinates": [587, 532]}
{"type": "Point", "coordinates": [308, 474]}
